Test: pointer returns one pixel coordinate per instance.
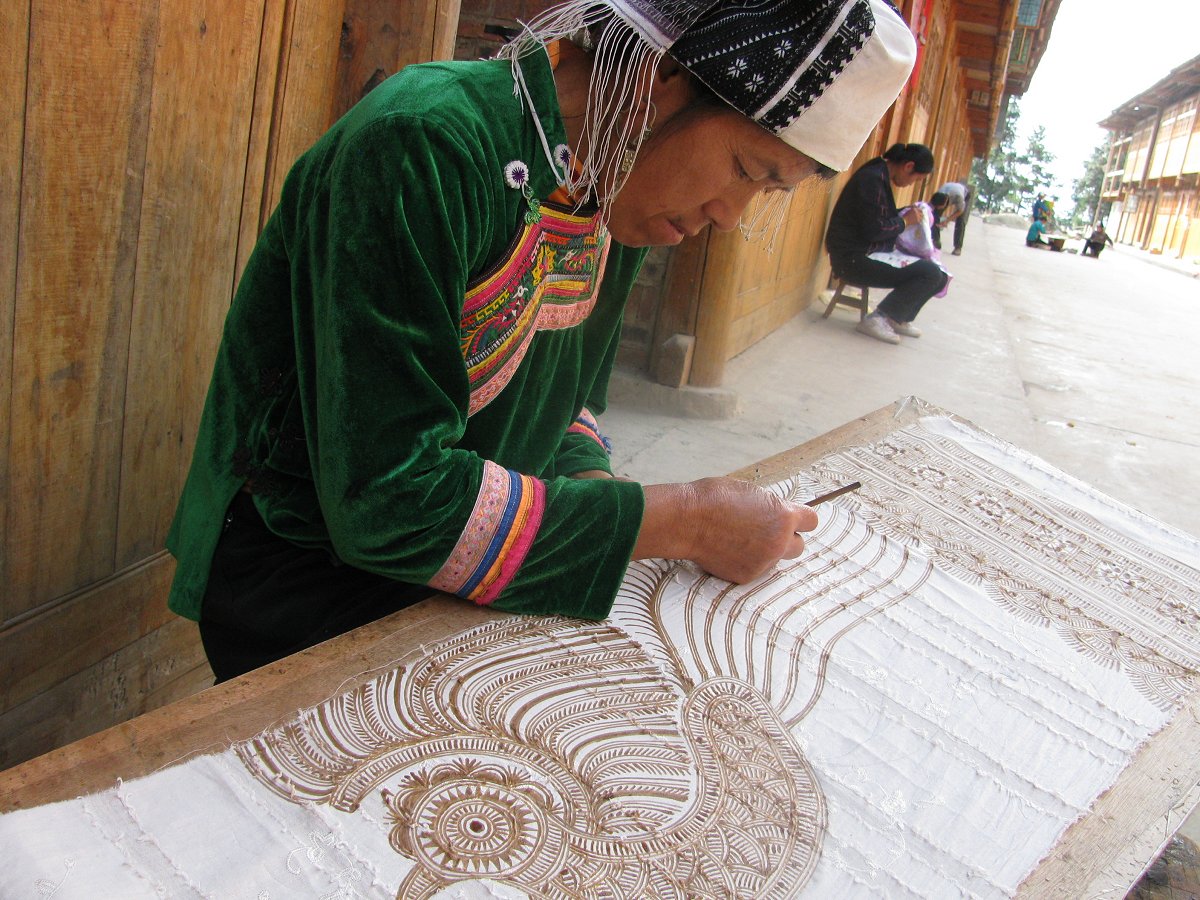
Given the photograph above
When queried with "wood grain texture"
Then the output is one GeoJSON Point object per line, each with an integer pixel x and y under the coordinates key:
{"type": "Point", "coordinates": [778, 284]}
{"type": "Point", "coordinates": [681, 297]}
{"type": "Point", "coordinates": [445, 29]}
{"type": "Point", "coordinates": [119, 687]}
{"type": "Point", "coordinates": [715, 313]}
{"type": "Point", "coordinates": [371, 41]}
{"type": "Point", "coordinates": [423, 31]}
{"type": "Point", "coordinates": [751, 288]}
{"type": "Point", "coordinates": [203, 94]}
{"type": "Point", "coordinates": [308, 60]}
{"type": "Point", "coordinates": [85, 139]}
{"type": "Point", "coordinates": [14, 48]}
{"type": "Point", "coordinates": [255, 206]}
{"type": "Point", "coordinates": [83, 629]}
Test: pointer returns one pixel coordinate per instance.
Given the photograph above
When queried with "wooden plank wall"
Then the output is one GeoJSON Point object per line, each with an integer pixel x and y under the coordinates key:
{"type": "Point", "coordinates": [772, 288]}
{"type": "Point", "coordinates": [150, 144]}
{"type": "Point", "coordinates": [14, 46]}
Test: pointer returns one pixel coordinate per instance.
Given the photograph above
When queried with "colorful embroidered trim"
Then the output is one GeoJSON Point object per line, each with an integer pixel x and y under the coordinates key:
{"type": "Point", "coordinates": [548, 281]}
{"type": "Point", "coordinates": [507, 514]}
{"type": "Point", "coordinates": [586, 424]}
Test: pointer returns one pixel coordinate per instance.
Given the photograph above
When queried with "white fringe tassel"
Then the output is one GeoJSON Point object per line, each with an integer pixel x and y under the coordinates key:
{"type": "Point", "coordinates": [623, 66]}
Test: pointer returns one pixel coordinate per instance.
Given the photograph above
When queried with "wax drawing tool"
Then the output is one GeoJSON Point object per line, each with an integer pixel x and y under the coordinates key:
{"type": "Point", "coordinates": [844, 489]}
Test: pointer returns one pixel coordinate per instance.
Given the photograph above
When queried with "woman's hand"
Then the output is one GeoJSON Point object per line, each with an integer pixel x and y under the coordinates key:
{"type": "Point", "coordinates": [913, 215]}
{"type": "Point", "coordinates": [729, 528]}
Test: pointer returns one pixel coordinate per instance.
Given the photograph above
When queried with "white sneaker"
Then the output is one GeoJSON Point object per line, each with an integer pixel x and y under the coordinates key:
{"type": "Point", "coordinates": [908, 329]}
{"type": "Point", "coordinates": [877, 326]}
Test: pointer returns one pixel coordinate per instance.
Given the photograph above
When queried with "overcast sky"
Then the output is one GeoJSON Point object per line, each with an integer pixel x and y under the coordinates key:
{"type": "Point", "coordinates": [1100, 54]}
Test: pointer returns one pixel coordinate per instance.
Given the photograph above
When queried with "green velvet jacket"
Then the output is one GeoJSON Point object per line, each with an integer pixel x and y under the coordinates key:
{"type": "Point", "coordinates": [411, 363]}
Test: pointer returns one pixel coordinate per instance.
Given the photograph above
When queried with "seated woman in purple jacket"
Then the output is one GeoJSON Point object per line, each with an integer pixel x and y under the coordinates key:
{"type": "Point", "coordinates": [865, 220]}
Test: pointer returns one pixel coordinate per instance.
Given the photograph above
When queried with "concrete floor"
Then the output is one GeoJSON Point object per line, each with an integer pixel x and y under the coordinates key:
{"type": "Point", "coordinates": [1089, 363]}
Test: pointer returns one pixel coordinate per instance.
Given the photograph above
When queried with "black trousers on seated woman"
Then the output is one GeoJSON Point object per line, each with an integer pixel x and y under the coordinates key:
{"type": "Point", "coordinates": [268, 598]}
{"type": "Point", "coordinates": [911, 285]}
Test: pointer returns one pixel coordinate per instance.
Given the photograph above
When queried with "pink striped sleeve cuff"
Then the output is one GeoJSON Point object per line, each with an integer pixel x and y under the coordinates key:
{"type": "Point", "coordinates": [507, 514]}
{"type": "Point", "coordinates": [586, 424]}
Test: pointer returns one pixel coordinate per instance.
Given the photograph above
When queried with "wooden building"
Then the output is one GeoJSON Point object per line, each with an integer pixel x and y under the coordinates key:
{"type": "Point", "coordinates": [1152, 178]}
{"type": "Point", "coordinates": [145, 145]}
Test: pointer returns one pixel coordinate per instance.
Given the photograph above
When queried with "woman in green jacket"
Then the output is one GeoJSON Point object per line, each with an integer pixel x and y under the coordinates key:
{"type": "Point", "coordinates": [406, 392]}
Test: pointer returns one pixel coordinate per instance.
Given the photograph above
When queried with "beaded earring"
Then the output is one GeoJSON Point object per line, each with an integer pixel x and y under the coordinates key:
{"type": "Point", "coordinates": [631, 151]}
{"type": "Point", "coordinates": [632, 148]}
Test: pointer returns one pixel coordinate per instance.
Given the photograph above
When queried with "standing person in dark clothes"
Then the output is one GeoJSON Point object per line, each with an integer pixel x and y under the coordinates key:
{"type": "Point", "coordinates": [938, 203]}
{"type": "Point", "coordinates": [1040, 210]}
{"type": "Point", "coordinates": [958, 208]}
{"type": "Point", "coordinates": [865, 220]}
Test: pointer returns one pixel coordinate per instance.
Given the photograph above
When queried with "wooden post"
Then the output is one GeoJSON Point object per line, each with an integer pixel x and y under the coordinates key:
{"type": "Point", "coordinates": [678, 309]}
{"type": "Point", "coordinates": [715, 314]}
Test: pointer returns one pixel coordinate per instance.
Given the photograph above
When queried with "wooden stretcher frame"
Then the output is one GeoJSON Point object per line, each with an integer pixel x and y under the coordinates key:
{"type": "Point", "coordinates": [1101, 855]}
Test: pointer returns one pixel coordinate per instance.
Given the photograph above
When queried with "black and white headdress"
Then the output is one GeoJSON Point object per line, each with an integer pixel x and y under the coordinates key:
{"type": "Point", "coordinates": [817, 73]}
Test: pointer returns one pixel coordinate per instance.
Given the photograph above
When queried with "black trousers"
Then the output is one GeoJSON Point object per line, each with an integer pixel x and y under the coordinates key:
{"type": "Point", "coordinates": [268, 598]}
{"type": "Point", "coordinates": [912, 285]}
{"type": "Point", "coordinates": [960, 226]}
{"type": "Point", "coordinates": [960, 229]}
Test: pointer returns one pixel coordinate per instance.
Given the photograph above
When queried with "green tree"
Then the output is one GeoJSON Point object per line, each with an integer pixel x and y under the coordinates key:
{"type": "Point", "coordinates": [1085, 190]}
{"type": "Point", "coordinates": [1003, 179]}
{"type": "Point", "coordinates": [1037, 160]}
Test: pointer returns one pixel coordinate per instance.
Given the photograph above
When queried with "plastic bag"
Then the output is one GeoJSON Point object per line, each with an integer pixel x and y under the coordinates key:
{"type": "Point", "coordinates": [917, 240]}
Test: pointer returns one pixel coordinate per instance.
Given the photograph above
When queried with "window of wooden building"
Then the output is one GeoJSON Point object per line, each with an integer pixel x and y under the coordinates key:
{"type": "Point", "coordinates": [1139, 152]}
{"type": "Point", "coordinates": [1021, 46]}
{"type": "Point", "coordinates": [1184, 154]}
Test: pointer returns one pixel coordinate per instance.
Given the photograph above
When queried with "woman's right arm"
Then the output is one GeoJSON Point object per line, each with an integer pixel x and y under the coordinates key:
{"type": "Point", "coordinates": [730, 528]}
{"type": "Point", "coordinates": [881, 221]}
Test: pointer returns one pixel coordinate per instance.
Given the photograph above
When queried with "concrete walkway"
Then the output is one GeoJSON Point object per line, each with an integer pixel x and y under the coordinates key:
{"type": "Point", "coordinates": [1089, 363]}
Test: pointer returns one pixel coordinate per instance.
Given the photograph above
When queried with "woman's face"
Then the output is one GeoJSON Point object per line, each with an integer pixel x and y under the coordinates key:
{"type": "Point", "coordinates": [904, 174]}
{"type": "Point", "coordinates": [702, 167]}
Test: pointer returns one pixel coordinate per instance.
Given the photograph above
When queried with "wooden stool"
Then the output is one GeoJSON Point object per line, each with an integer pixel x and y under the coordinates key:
{"type": "Point", "coordinates": [862, 302]}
